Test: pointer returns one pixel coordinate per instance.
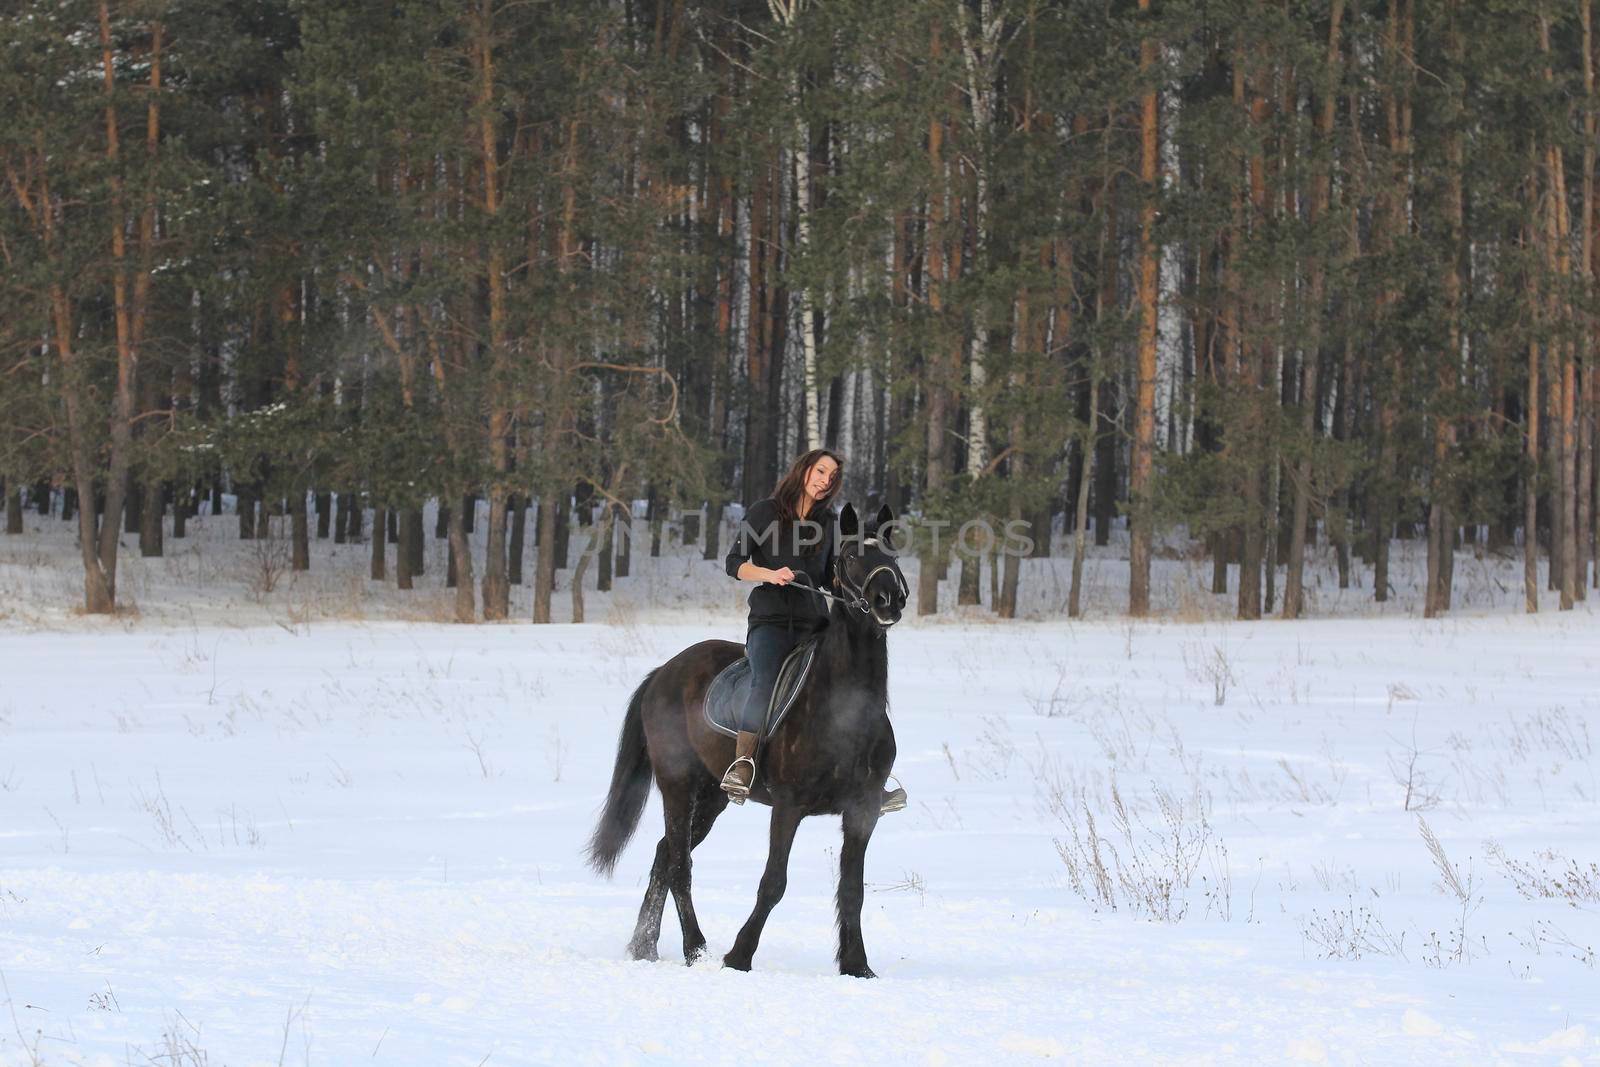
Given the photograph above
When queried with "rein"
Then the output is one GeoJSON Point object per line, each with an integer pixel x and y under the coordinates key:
{"type": "Point", "coordinates": [858, 596]}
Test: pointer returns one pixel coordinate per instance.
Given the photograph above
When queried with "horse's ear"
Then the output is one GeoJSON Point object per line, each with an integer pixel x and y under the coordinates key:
{"type": "Point", "coordinates": [849, 525]}
{"type": "Point", "coordinates": [885, 517]}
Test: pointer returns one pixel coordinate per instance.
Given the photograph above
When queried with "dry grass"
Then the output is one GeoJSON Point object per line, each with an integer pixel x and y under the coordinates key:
{"type": "Point", "coordinates": [1148, 867]}
{"type": "Point", "coordinates": [1455, 946]}
{"type": "Point", "coordinates": [1549, 875]}
{"type": "Point", "coordinates": [1349, 933]}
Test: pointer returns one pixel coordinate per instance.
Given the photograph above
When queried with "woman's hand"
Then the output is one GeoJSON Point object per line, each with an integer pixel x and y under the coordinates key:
{"type": "Point", "coordinates": [781, 576]}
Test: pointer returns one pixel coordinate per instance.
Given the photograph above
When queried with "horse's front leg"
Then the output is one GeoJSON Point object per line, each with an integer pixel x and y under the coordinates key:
{"type": "Point", "coordinates": [859, 821]}
{"type": "Point", "coordinates": [774, 880]}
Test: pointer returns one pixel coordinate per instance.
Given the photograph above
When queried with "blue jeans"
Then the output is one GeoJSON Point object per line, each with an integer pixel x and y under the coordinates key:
{"type": "Point", "coordinates": [765, 646]}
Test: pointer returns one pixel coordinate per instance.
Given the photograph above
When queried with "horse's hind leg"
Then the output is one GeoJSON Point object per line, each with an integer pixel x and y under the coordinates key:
{"type": "Point", "coordinates": [681, 818]}
{"type": "Point", "coordinates": [647, 932]}
{"type": "Point", "coordinates": [707, 804]}
{"type": "Point", "coordinates": [859, 821]}
{"type": "Point", "coordinates": [774, 880]}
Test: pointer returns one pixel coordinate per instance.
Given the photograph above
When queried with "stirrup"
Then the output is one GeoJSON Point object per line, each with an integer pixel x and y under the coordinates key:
{"type": "Point", "coordinates": [893, 799]}
{"type": "Point", "coordinates": [736, 790]}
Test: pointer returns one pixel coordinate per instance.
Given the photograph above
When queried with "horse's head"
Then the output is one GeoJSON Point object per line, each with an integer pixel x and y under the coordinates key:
{"type": "Point", "coordinates": [865, 572]}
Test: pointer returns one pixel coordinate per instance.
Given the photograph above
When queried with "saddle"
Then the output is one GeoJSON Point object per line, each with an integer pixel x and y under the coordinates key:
{"type": "Point", "coordinates": [729, 690]}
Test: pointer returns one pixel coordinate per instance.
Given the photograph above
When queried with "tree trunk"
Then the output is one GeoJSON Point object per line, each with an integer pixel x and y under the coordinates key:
{"type": "Point", "coordinates": [1270, 535]}
{"type": "Point", "coordinates": [244, 503]}
{"type": "Point", "coordinates": [1005, 599]}
{"type": "Point", "coordinates": [1257, 353]}
{"type": "Point", "coordinates": [991, 560]}
{"type": "Point", "coordinates": [1559, 358]}
{"type": "Point", "coordinates": [624, 538]}
{"type": "Point", "coordinates": [461, 555]}
{"type": "Point", "coordinates": [602, 575]}
{"type": "Point", "coordinates": [1394, 196]}
{"type": "Point", "coordinates": [519, 528]}
{"type": "Point", "coordinates": [13, 507]}
{"type": "Point", "coordinates": [652, 518]}
{"type": "Point", "coordinates": [1311, 370]}
{"type": "Point", "coordinates": [1144, 405]}
{"type": "Point", "coordinates": [300, 532]}
{"type": "Point", "coordinates": [967, 585]}
{"type": "Point", "coordinates": [1343, 412]}
{"type": "Point", "coordinates": [1441, 541]}
{"type": "Point", "coordinates": [37, 202]}
{"type": "Point", "coordinates": [1104, 463]}
{"type": "Point", "coordinates": [599, 538]}
{"type": "Point", "coordinates": [403, 555]}
{"type": "Point", "coordinates": [411, 518]}
{"type": "Point", "coordinates": [936, 409]}
{"type": "Point", "coordinates": [725, 266]}
{"type": "Point", "coordinates": [128, 307]}
{"type": "Point", "coordinates": [544, 572]}
{"type": "Point", "coordinates": [800, 157]}
{"type": "Point", "coordinates": [151, 511]}
{"type": "Point", "coordinates": [758, 430]}
{"type": "Point", "coordinates": [379, 543]}
{"type": "Point", "coordinates": [133, 506]}
{"type": "Point", "coordinates": [1583, 534]}
{"type": "Point", "coordinates": [1530, 482]}
{"type": "Point", "coordinates": [584, 556]}
{"type": "Point", "coordinates": [981, 57]}
{"type": "Point", "coordinates": [496, 589]}
{"type": "Point", "coordinates": [563, 534]}
{"type": "Point", "coordinates": [152, 507]}
{"type": "Point", "coordinates": [1080, 523]}
{"type": "Point", "coordinates": [712, 548]}
{"type": "Point", "coordinates": [1220, 547]}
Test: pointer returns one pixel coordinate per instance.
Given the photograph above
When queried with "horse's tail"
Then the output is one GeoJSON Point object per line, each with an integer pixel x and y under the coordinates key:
{"type": "Point", "coordinates": [630, 788]}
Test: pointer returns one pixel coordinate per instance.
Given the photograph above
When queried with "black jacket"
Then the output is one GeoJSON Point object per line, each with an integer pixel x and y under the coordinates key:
{"type": "Point", "coordinates": [765, 541]}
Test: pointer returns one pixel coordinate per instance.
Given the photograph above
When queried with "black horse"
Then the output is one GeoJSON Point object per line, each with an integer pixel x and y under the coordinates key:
{"type": "Point", "coordinates": [830, 756]}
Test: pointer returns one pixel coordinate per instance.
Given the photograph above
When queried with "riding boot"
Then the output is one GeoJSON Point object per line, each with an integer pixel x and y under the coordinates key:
{"type": "Point", "coordinates": [893, 800]}
{"type": "Point", "coordinates": [741, 774]}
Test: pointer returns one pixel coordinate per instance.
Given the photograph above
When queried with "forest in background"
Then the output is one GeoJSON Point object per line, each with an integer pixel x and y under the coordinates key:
{"type": "Point", "coordinates": [1277, 274]}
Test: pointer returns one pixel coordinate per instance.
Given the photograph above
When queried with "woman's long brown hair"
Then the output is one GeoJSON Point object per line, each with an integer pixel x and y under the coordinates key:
{"type": "Point", "coordinates": [792, 486]}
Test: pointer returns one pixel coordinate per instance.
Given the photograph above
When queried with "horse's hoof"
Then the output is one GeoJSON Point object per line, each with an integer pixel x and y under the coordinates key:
{"type": "Point", "coordinates": [692, 956]}
{"type": "Point", "coordinates": [736, 963]}
{"type": "Point", "coordinates": [643, 952]}
{"type": "Point", "coordinates": [862, 971]}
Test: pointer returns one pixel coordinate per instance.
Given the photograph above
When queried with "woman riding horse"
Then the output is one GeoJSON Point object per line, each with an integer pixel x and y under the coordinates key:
{"type": "Point", "coordinates": [785, 535]}
{"type": "Point", "coordinates": [833, 756]}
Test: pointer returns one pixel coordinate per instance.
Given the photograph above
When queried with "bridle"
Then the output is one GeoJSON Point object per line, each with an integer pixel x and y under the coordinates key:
{"type": "Point", "coordinates": [857, 594]}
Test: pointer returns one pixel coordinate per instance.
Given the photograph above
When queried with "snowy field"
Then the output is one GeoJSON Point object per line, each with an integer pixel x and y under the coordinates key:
{"type": "Point", "coordinates": [320, 825]}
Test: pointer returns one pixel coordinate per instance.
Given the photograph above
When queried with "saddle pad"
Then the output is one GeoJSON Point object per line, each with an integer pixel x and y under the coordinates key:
{"type": "Point", "coordinates": [726, 695]}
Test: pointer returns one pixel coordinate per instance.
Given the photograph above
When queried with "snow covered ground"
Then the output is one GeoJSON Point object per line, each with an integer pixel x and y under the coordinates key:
{"type": "Point", "coordinates": [316, 825]}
